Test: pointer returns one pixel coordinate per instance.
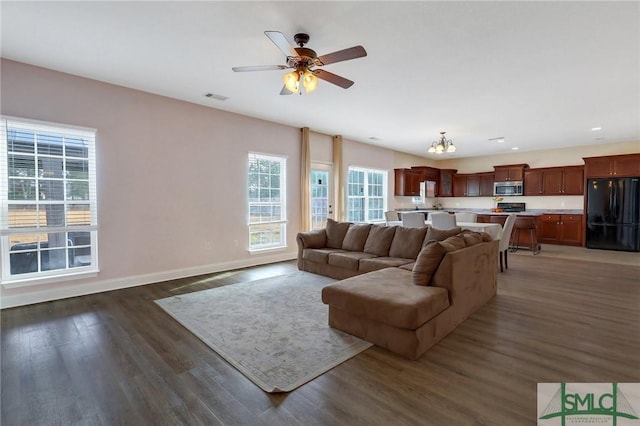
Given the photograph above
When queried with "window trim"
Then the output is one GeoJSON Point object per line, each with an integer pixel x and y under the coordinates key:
{"type": "Point", "coordinates": [55, 275]}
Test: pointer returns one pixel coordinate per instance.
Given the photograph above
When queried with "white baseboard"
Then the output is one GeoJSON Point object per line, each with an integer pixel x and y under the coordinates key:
{"type": "Point", "coordinates": [48, 293]}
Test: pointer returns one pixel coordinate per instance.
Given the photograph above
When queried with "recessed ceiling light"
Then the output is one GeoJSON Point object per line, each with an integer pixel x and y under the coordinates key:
{"type": "Point", "coordinates": [515, 148]}
{"type": "Point", "coordinates": [595, 129]}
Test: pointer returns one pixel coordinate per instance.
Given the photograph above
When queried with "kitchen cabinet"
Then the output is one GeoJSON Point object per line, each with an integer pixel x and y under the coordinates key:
{"type": "Point", "coordinates": [446, 183]}
{"type": "Point", "coordinates": [627, 165]}
{"type": "Point", "coordinates": [473, 185]}
{"type": "Point", "coordinates": [554, 181]}
{"type": "Point", "coordinates": [407, 182]}
{"type": "Point", "coordinates": [510, 172]}
{"type": "Point", "coordinates": [486, 184]}
{"type": "Point", "coordinates": [563, 181]}
{"type": "Point", "coordinates": [565, 229]}
{"type": "Point", "coordinates": [533, 182]}
{"type": "Point", "coordinates": [466, 186]}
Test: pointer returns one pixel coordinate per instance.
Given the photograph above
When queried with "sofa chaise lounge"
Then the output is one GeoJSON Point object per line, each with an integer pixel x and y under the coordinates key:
{"type": "Point", "coordinates": [403, 289]}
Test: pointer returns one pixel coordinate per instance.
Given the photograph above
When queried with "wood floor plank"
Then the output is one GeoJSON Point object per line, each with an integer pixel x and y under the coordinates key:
{"type": "Point", "coordinates": [117, 358]}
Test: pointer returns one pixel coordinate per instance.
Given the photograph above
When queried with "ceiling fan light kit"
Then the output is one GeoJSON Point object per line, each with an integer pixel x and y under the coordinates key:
{"type": "Point", "coordinates": [441, 146]}
{"type": "Point", "coordinates": [306, 64]}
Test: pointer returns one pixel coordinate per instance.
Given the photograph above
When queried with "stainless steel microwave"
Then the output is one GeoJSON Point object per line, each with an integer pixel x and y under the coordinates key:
{"type": "Point", "coordinates": [508, 188]}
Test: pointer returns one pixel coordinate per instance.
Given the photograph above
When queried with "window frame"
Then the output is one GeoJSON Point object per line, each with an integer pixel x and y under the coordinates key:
{"type": "Point", "coordinates": [281, 222]}
{"type": "Point", "coordinates": [47, 129]}
{"type": "Point", "coordinates": [367, 197]}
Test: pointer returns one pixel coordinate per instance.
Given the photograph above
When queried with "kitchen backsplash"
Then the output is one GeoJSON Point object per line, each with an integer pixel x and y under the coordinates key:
{"type": "Point", "coordinates": [569, 202]}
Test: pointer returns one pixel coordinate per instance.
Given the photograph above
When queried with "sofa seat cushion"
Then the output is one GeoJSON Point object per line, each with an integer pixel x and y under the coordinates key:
{"type": "Point", "coordinates": [387, 296]}
{"type": "Point", "coordinates": [407, 266]}
{"type": "Point", "coordinates": [320, 255]}
{"type": "Point", "coordinates": [347, 259]}
{"type": "Point", "coordinates": [375, 263]}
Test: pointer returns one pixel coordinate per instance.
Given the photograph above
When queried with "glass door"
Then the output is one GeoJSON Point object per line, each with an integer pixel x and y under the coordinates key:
{"type": "Point", "coordinates": [321, 195]}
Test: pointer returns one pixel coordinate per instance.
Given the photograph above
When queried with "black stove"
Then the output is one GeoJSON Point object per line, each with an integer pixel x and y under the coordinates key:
{"type": "Point", "coordinates": [511, 207]}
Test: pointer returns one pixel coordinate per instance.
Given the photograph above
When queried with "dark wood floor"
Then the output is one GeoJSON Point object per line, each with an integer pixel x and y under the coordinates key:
{"type": "Point", "coordinates": [117, 358]}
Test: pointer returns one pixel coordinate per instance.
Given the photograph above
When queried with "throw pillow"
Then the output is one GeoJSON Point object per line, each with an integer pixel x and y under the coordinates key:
{"type": "Point", "coordinates": [379, 240]}
{"type": "Point", "coordinates": [407, 242]}
{"type": "Point", "coordinates": [356, 236]}
{"type": "Point", "coordinates": [434, 234]}
{"type": "Point", "coordinates": [427, 262]}
{"type": "Point", "coordinates": [453, 243]}
{"type": "Point", "coordinates": [336, 232]}
{"type": "Point", "coordinates": [486, 237]}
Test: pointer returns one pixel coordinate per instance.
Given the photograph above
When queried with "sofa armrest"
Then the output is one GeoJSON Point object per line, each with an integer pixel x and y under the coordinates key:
{"type": "Point", "coordinates": [312, 239]}
{"type": "Point", "coordinates": [470, 274]}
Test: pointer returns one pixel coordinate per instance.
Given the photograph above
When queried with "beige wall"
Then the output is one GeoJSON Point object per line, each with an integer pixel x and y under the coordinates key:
{"type": "Point", "coordinates": [171, 178]}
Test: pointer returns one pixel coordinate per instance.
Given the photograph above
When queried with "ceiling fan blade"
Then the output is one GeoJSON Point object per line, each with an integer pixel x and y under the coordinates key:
{"type": "Point", "coordinates": [260, 68]}
{"type": "Point", "coordinates": [333, 78]}
{"type": "Point", "coordinates": [281, 41]}
{"type": "Point", "coordinates": [342, 55]}
{"type": "Point", "coordinates": [285, 91]}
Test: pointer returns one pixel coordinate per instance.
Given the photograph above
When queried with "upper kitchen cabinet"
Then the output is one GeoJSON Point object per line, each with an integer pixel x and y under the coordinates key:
{"type": "Point", "coordinates": [446, 183]}
{"type": "Point", "coordinates": [554, 181]}
{"type": "Point", "coordinates": [627, 165]}
{"type": "Point", "coordinates": [563, 181]}
{"type": "Point", "coordinates": [510, 172]}
{"type": "Point", "coordinates": [407, 182]}
{"type": "Point", "coordinates": [533, 179]}
{"type": "Point", "coordinates": [486, 184]}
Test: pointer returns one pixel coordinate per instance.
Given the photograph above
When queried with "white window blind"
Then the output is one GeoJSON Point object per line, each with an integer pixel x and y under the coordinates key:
{"type": "Point", "coordinates": [48, 225]}
{"type": "Point", "coordinates": [267, 201]}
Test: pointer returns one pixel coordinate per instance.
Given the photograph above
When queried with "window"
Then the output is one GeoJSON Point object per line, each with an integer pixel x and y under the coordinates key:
{"type": "Point", "coordinates": [48, 226]}
{"type": "Point", "coordinates": [267, 202]}
{"type": "Point", "coordinates": [366, 195]}
{"type": "Point", "coordinates": [320, 195]}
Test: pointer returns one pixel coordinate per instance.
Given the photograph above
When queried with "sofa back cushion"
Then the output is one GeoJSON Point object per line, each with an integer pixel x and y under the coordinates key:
{"type": "Point", "coordinates": [454, 243]}
{"type": "Point", "coordinates": [427, 262]}
{"type": "Point", "coordinates": [434, 234]}
{"type": "Point", "coordinates": [379, 240]}
{"type": "Point", "coordinates": [336, 232]}
{"type": "Point", "coordinates": [407, 242]}
{"type": "Point", "coordinates": [471, 238]}
{"type": "Point", "coordinates": [356, 236]}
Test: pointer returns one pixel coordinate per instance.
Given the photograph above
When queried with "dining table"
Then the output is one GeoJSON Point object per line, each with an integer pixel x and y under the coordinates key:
{"type": "Point", "coordinates": [493, 229]}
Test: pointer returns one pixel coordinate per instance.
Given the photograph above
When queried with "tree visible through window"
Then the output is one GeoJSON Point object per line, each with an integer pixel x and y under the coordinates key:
{"type": "Point", "coordinates": [48, 197]}
{"type": "Point", "coordinates": [366, 195]}
{"type": "Point", "coordinates": [267, 201]}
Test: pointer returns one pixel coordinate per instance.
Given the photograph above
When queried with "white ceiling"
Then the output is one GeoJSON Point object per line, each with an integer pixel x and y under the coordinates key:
{"type": "Point", "coordinates": [540, 74]}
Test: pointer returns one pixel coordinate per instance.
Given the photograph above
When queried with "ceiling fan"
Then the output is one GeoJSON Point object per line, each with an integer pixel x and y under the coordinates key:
{"type": "Point", "coordinates": [306, 64]}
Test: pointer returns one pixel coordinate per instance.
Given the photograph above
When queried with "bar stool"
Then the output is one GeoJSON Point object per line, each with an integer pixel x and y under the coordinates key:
{"type": "Point", "coordinates": [526, 224]}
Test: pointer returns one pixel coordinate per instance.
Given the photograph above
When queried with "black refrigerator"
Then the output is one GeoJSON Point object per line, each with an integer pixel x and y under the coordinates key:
{"type": "Point", "coordinates": [613, 214]}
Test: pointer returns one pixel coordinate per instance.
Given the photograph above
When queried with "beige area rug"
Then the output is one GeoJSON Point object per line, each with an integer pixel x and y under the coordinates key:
{"type": "Point", "coordinates": [273, 330]}
{"type": "Point", "coordinates": [582, 253]}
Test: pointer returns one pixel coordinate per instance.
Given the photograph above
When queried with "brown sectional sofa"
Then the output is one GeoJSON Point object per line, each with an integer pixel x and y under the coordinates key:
{"type": "Point", "coordinates": [403, 289]}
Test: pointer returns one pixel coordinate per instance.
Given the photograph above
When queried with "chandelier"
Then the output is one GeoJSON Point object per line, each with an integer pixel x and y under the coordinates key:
{"type": "Point", "coordinates": [442, 145]}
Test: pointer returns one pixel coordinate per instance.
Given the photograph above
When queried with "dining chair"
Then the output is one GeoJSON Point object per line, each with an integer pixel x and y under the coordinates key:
{"type": "Point", "coordinates": [505, 240]}
{"type": "Point", "coordinates": [468, 217]}
{"type": "Point", "coordinates": [443, 220]}
{"type": "Point", "coordinates": [413, 220]}
{"type": "Point", "coordinates": [391, 216]}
